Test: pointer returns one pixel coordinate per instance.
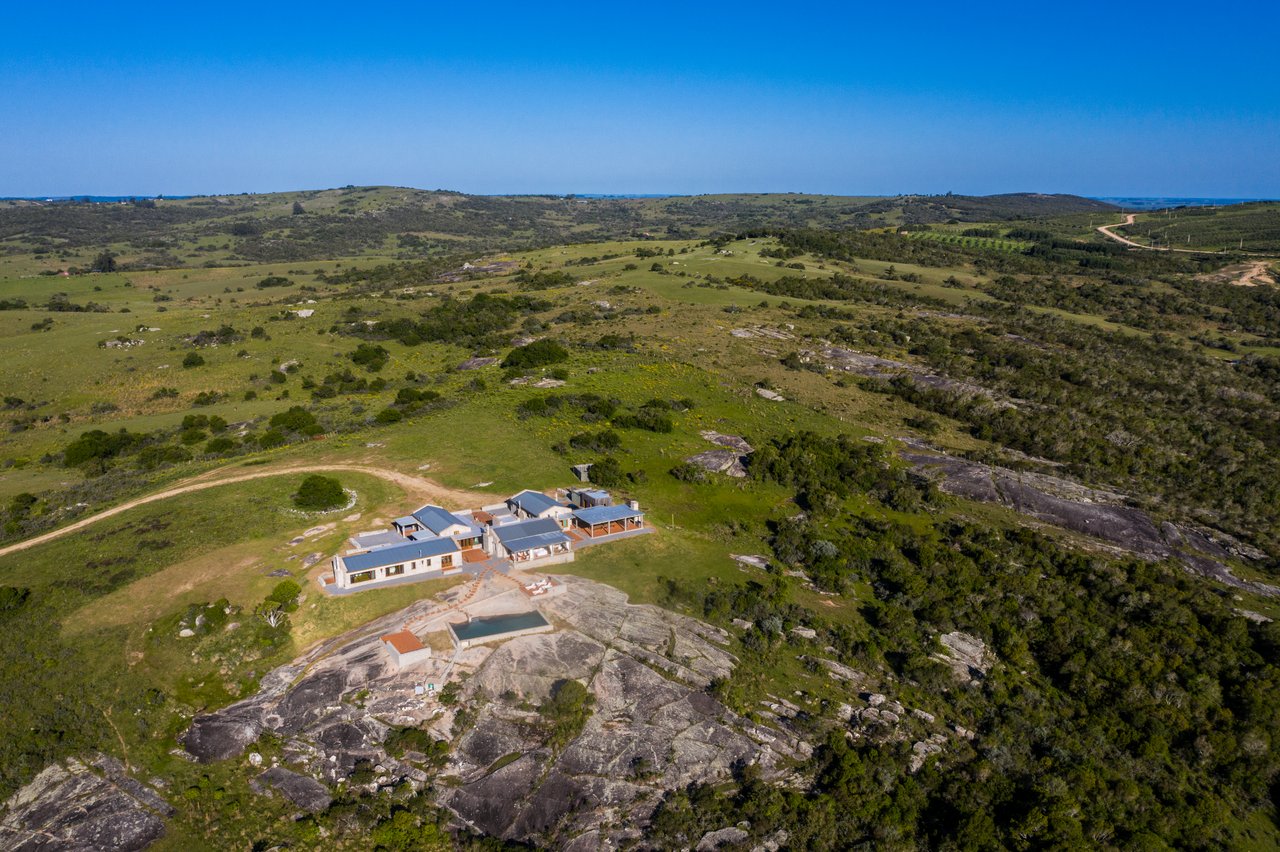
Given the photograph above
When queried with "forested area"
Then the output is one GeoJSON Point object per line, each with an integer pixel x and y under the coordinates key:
{"type": "Point", "coordinates": [1130, 707]}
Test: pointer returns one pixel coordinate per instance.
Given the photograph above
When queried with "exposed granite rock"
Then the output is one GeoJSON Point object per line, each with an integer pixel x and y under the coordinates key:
{"type": "Point", "coordinates": [733, 442]}
{"type": "Point", "coordinates": [759, 331]}
{"type": "Point", "coordinates": [647, 734]}
{"type": "Point", "coordinates": [83, 807]}
{"type": "Point", "coordinates": [731, 461]}
{"type": "Point", "coordinates": [839, 671]}
{"type": "Point", "coordinates": [304, 791]}
{"type": "Point", "coordinates": [653, 727]}
{"type": "Point", "coordinates": [921, 751]}
{"type": "Point", "coordinates": [727, 462]}
{"type": "Point", "coordinates": [967, 655]}
{"type": "Point", "coordinates": [875, 367]}
{"type": "Point", "coordinates": [724, 837]}
{"type": "Point", "coordinates": [1099, 514]}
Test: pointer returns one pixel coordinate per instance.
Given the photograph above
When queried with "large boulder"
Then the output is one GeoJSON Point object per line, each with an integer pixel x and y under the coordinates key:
{"type": "Point", "coordinates": [304, 791]}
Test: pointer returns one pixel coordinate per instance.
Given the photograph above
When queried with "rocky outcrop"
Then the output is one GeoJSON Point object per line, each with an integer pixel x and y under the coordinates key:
{"type": "Point", "coordinates": [727, 462]}
{"type": "Point", "coordinates": [723, 837]}
{"type": "Point", "coordinates": [1102, 515]}
{"type": "Point", "coordinates": [647, 734]}
{"type": "Point", "coordinates": [653, 727]}
{"type": "Point", "coordinates": [875, 367]}
{"type": "Point", "coordinates": [731, 461]}
{"type": "Point", "coordinates": [967, 656]}
{"type": "Point", "coordinates": [733, 442]}
{"type": "Point", "coordinates": [78, 806]}
{"type": "Point", "coordinates": [304, 791]}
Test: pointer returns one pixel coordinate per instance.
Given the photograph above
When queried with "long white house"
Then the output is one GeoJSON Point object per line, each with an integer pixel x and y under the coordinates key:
{"type": "Point", "coordinates": [413, 558]}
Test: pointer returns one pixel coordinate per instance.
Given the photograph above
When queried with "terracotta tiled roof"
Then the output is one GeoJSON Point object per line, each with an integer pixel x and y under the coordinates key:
{"type": "Point", "coordinates": [405, 641]}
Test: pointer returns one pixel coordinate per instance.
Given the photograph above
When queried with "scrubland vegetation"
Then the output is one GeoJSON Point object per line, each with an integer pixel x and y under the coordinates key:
{"type": "Point", "coordinates": [1129, 703]}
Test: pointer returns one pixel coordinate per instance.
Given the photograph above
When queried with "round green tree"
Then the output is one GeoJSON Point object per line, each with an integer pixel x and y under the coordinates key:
{"type": "Point", "coordinates": [319, 492]}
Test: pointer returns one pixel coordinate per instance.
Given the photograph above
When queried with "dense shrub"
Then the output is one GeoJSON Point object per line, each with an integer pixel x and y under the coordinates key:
{"type": "Point", "coordinates": [318, 492]}
{"type": "Point", "coordinates": [373, 358]}
{"type": "Point", "coordinates": [537, 354]}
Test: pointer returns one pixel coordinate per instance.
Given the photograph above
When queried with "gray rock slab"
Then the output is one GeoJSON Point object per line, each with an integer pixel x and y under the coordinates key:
{"type": "Point", "coordinates": [304, 791]}
{"type": "Point", "coordinates": [80, 806]}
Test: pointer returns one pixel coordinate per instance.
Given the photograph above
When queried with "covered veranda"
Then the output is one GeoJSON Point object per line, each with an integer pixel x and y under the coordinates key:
{"type": "Point", "coordinates": [600, 521]}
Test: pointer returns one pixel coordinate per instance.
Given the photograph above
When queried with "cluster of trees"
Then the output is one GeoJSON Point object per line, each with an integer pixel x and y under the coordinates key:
{"type": "Point", "coordinates": [478, 323]}
{"type": "Point", "coordinates": [565, 712]}
{"type": "Point", "coordinates": [543, 279]}
{"type": "Point", "coordinates": [826, 470]}
{"type": "Point", "coordinates": [408, 401]}
{"type": "Point", "coordinates": [837, 287]}
{"type": "Point", "coordinates": [653, 415]}
{"type": "Point", "coordinates": [370, 356]}
{"type": "Point", "coordinates": [540, 353]}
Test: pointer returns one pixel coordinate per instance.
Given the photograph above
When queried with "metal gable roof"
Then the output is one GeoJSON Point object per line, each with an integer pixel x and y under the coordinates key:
{"type": "Point", "coordinates": [401, 553]}
{"type": "Point", "coordinates": [436, 519]}
{"type": "Point", "coordinates": [533, 502]}
{"type": "Point", "coordinates": [530, 542]}
{"type": "Point", "coordinates": [511, 532]}
{"type": "Point", "coordinates": [606, 514]}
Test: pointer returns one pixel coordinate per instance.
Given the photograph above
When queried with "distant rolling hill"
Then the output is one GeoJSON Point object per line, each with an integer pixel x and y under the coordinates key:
{"type": "Point", "coordinates": [411, 223]}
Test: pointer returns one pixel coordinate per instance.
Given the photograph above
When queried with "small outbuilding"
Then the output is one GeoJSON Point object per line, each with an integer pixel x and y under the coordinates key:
{"type": "Point", "coordinates": [405, 648]}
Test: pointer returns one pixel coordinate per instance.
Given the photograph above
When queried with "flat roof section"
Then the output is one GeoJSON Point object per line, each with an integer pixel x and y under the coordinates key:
{"type": "Point", "coordinates": [497, 625]}
{"type": "Point", "coordinates": [377, 538]}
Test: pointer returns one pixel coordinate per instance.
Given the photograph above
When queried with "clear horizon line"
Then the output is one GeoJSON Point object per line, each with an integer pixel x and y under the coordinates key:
{"type": "Point", "coordinates": [561, 194]}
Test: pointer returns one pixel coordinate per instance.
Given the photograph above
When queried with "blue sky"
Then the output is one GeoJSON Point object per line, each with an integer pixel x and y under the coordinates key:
{"type": "Point", "coordinates": [1102, 99]}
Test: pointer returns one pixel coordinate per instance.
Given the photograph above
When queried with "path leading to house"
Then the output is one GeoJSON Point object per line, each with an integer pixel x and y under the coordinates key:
{"type": "Point", "coordinates": [417, 487]}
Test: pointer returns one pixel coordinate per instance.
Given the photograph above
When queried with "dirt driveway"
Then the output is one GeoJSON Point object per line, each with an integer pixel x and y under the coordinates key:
{"type": "Point", "coordinates": [415, 486]}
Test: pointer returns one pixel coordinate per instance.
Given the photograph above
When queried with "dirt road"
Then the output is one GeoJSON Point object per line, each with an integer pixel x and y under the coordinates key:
{"type": "Point", "coordinates": [1129, 218]}
{"type": "Point", "coordinates": [1255, 274]}
{"type": "Point", "coordinates": [416, 486]}
{"type": "Point", "coordinates": [1106, 231]}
